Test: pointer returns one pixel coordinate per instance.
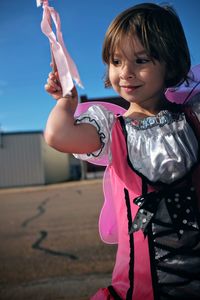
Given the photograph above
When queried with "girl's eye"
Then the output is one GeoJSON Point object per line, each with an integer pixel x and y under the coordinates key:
{"type": "Point", "coordinates": [116, 61]}
{"type": "Point", "coordinates": [142, 60]}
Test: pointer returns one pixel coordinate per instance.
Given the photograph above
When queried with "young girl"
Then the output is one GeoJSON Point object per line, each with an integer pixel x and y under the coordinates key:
{"type": "Point", "coordinates": [153, 153]}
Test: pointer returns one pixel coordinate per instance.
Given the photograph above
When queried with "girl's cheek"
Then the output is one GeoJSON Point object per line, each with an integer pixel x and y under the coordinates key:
{"type": "Point", "coordinates": [113, 73]}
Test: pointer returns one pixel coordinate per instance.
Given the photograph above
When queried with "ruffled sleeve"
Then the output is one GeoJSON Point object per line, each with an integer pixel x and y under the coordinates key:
{"type": "Point", "coordinates": [103, 120]}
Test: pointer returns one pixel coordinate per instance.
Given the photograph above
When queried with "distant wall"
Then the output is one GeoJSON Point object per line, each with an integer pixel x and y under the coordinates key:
{"type": "Point", "coordinates": [20, 160]}
{"type": "Point", "coordinates": [56, 164]}
{"type": "Point", "coordinates": [25, 160]}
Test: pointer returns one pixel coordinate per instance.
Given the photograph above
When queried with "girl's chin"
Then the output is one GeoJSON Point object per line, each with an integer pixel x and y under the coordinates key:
{"type": "Point", "coordinates": [128, 98]}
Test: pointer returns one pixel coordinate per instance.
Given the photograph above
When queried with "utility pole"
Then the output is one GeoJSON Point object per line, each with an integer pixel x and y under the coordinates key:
{"type": "Point", "coordinates": [83, 169]}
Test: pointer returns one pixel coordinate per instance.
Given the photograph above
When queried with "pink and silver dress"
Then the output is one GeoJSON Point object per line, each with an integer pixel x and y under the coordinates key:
{"type": "Point", "coordinates": [151, 208]}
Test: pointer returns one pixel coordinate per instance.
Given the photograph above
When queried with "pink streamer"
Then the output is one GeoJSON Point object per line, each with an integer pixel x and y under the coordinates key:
{"type": "Point", "coordinates": [64, 64]}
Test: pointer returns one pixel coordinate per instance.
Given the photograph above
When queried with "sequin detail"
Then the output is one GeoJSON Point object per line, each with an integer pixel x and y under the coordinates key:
{"type": "Point", "coordinates": [181, 216]}
{"type": "Point", "coordinates": [162, 118]}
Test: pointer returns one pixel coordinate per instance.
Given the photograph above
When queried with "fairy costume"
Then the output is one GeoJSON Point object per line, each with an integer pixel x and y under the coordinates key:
{"type": "Point", "coordinates": [157, 231]}
{"type": "Point", "coordinates": [150, 208]}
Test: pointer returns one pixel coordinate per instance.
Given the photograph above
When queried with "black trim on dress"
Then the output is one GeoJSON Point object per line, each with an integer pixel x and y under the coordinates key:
{"type": "Point", "coordinates": [114, 293]}
{"type": "Point", "coordinates": [131, 243]}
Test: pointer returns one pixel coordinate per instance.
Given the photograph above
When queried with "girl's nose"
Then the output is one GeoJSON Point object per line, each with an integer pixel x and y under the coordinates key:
{"type": "Point", "coordinates": [127, 72]}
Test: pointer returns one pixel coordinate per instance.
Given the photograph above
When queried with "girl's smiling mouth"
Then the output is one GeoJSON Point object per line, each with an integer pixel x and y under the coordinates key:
{"type": "Point", "coordinates": [129, 88]}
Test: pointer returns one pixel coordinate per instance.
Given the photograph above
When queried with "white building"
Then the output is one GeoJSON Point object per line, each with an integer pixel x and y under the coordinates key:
{"type": "Point", "coordinates": [25, 159]}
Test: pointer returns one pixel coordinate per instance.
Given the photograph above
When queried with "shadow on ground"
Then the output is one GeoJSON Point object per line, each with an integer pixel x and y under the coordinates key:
{"type": "Point", "coordinates": [50, 246]}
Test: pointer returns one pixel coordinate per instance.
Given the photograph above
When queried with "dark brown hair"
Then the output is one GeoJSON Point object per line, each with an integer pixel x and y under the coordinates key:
{"type": "Point", "coordinates": [161, 34]}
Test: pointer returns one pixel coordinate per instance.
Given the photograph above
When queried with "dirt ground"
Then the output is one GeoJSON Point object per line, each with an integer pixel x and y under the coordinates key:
{"type": "Point", "coordinates": [50, 247]}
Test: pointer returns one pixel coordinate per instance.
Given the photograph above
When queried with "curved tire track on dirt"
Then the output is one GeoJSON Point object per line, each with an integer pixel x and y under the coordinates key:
{"type": "Point", "coordinates": [37, 246]}
{"type": "Point", "coordinates": [41, 210]}
{"type": "Point", "coordinates": [43, 233]}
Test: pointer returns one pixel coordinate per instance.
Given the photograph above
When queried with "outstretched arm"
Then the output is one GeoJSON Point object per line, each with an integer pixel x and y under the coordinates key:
{"type": "Point", "coordinates": [61, 131]}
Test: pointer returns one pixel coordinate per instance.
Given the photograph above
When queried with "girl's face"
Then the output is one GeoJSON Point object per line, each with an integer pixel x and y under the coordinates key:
{"type": "Point", "coordinates": [135, 77]}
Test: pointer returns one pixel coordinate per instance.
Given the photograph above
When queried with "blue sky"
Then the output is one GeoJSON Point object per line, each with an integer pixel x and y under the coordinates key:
{"type": "Point", "coordinates": [25, 57]}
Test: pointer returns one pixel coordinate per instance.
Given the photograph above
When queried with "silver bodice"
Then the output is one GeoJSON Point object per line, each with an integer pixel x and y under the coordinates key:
{"type": "Point", "coordinates": [162, 147]}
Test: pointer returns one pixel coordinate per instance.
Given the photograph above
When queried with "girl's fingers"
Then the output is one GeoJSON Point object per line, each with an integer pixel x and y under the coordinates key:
{"type": "Point", "coordinates": [53, 83]}
{"type": "Point", "coordinates": [53, 75]}
{"type": "Point", "coordinates": [54, 88]}
{"type": "Point", "coordinates": [54, 93]}
{"type": "Point", "coordinates": [49, 88]}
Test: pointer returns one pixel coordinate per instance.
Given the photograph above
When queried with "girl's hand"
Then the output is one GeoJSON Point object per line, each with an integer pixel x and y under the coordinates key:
{"type": "Point", "coordinates": [62, 132]}
{"type": "Point", "coordinates": [53, 87]}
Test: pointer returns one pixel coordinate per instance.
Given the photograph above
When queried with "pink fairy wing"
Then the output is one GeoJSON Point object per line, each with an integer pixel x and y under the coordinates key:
{"type": "Point", "coordinates": [185, 91]}
{"type": "Point", "coordinates": [83, 107]}
{"type": "Point", "coordinates": [107, 220]}
{"type": "Point", "coordinates": [108, 229]}
{"type": "Point", "coordinates": [116, 109]}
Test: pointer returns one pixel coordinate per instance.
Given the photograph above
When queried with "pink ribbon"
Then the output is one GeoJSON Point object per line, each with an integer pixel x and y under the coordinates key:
{"type": "Point", "coordinates": [61, 59]}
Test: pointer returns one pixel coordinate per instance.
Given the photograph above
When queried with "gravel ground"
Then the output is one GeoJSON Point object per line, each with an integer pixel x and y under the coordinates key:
{"type": "Point", "coordinates": [49, 242]}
